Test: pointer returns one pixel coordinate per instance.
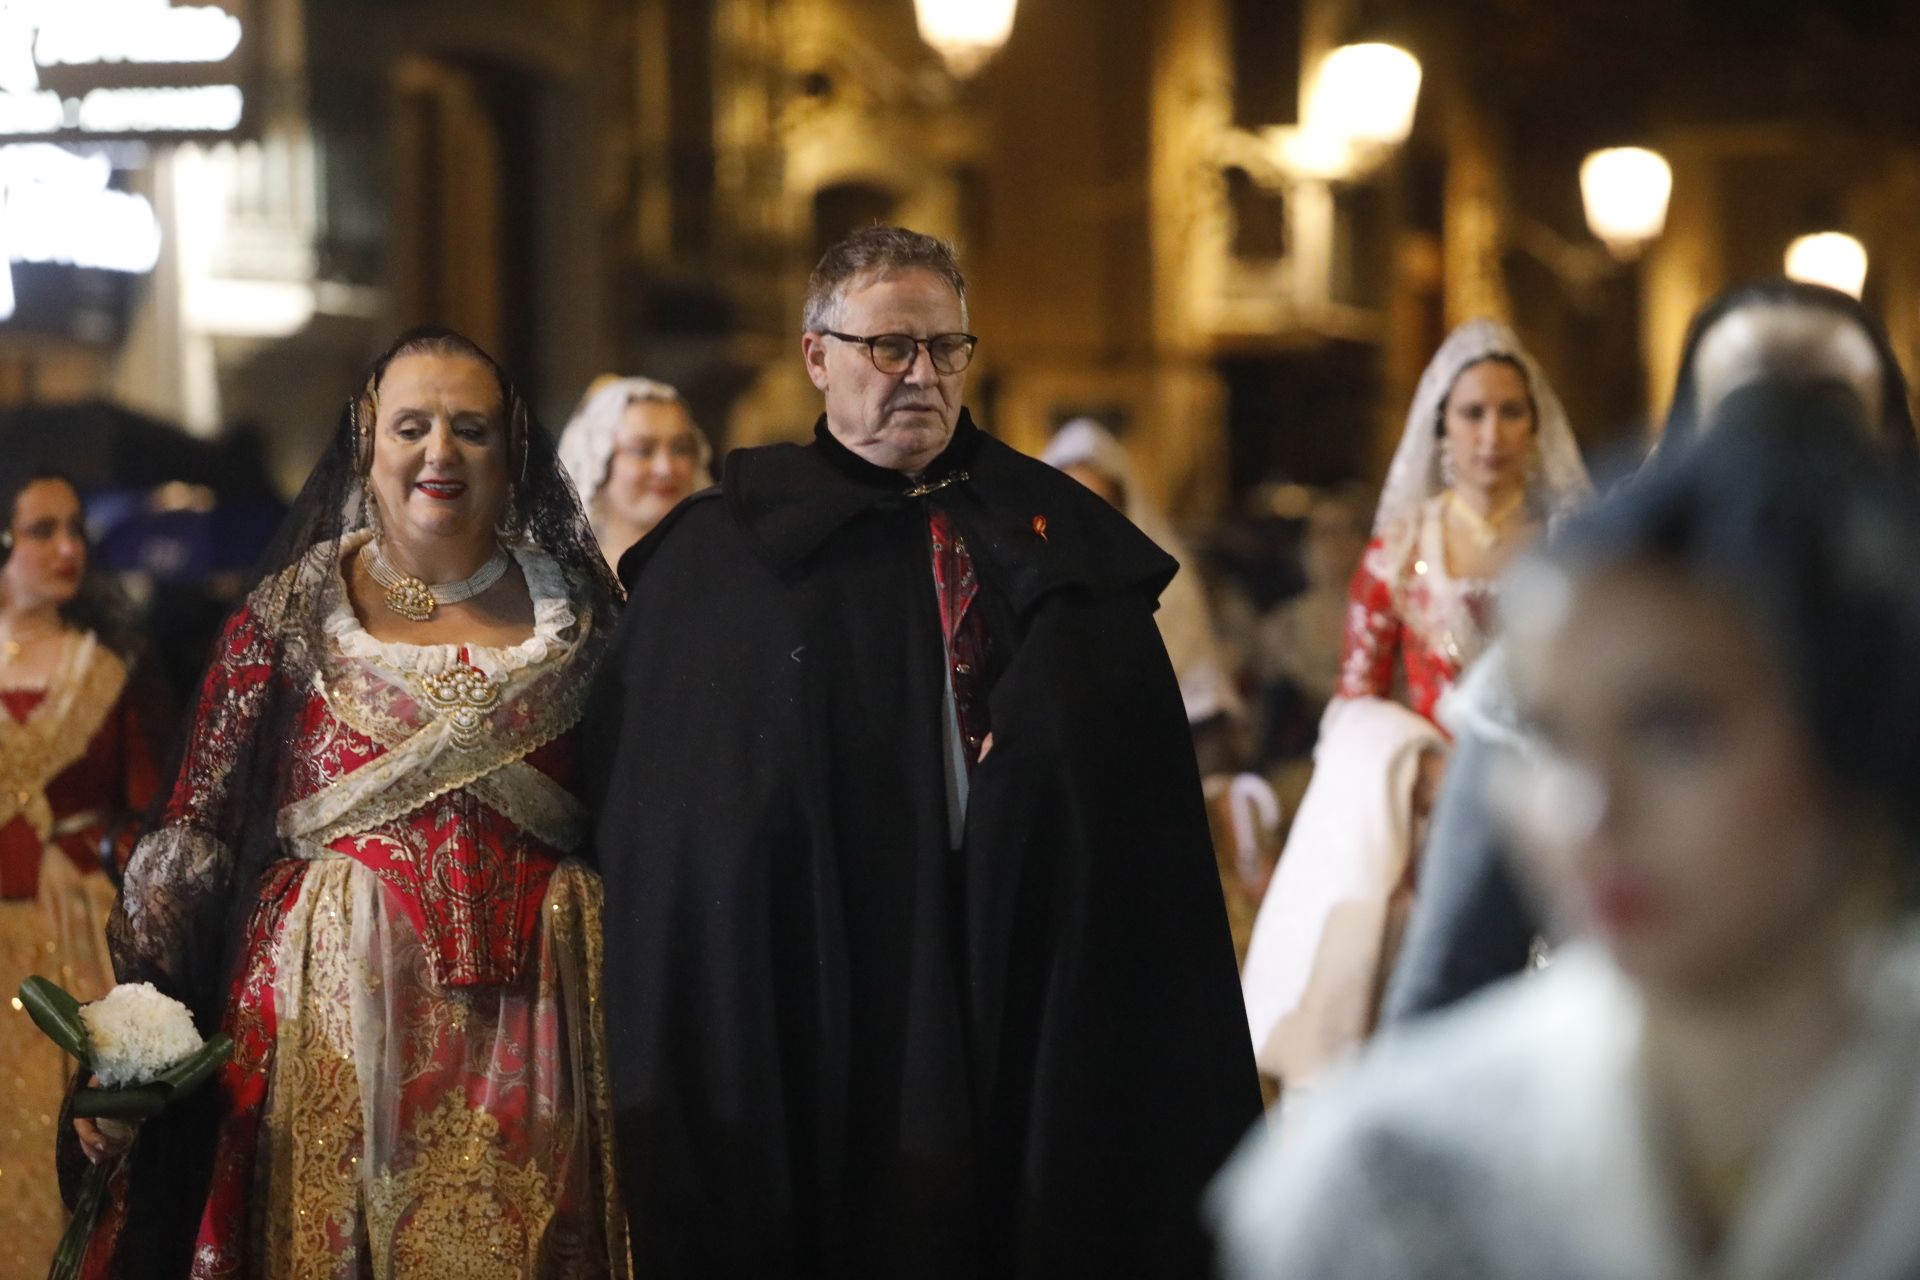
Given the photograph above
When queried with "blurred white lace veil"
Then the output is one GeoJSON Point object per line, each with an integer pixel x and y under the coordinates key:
{"type": "Point", "coordinates": [1186, 623]}
{"type": "Point", "coordinates": [1557, 478]}
{"type": "Point", "coordinates": [586, 444]}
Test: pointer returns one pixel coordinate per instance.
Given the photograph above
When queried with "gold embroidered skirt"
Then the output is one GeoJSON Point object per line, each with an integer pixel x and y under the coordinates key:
{"type": "Point", "coordinates": [60, 934]}
{"type": "Point", "coordinates": [382, 1124]}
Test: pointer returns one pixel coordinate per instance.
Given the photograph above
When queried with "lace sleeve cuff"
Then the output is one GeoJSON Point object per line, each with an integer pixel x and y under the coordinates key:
{"type": "Point", "coordinates": [171, 878]}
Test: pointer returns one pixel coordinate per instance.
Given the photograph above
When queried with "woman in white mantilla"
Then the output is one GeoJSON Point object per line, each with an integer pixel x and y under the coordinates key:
{"type": "Point", "coordinates": [633, 452]}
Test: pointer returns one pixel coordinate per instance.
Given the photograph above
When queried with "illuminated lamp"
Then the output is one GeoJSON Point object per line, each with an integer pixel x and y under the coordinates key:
{"type": "Point", "coordinates": [1626, 191]}
{"type": "Point", "coordinates": [1830, 258]}
{"type": "Point", "coordinates": [1365, 94]}
{"type": "Point", "coordinates": [965, 32]}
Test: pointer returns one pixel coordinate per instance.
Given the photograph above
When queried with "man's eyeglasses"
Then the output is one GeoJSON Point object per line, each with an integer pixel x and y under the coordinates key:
{"type": "Point", "coordinates": [896, 352]}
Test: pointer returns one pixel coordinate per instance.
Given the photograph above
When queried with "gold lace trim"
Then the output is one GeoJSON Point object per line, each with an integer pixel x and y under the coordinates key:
{"type": "Point", "coordinates": [429, 755]}
{"type": "Point", "coordinates": [575, 901]}
{"type": "Point", "coordinates": [447, 1201]}
{"type": "Point", "coordinates": [314, 1109]}
{"type": "Point", "coordinates": [81, 694]}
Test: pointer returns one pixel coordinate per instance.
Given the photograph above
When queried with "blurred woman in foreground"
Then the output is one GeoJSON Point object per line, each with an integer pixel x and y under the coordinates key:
{"type": "Point", "coordinates": [1725, 1077]}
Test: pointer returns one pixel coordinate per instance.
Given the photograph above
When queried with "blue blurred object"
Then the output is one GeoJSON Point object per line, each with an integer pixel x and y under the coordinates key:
{"type": "Point", "coordinates": [180, 545]}
{"type": "Point", "coordinates": [161, 503]}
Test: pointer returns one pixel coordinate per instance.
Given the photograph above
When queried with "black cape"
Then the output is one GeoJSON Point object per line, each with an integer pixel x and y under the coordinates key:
{"type": "Point", "coordinates": [840, 1048]}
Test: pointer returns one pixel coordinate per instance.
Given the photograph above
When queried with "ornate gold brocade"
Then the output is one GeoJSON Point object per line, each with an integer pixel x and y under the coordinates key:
{"type": "Point", "coordinates": [57, 934]}
{"type": "Point", "coordinates": [455, 1210]}
{"type": "Point", "coordinates": [81, 693]}
{"type": "Point", "coordinates": [444, 731]}
{"type": "Point", "coordinates": [313, 1132]}
{"type": "Point", "coordinates": [498, 1163]}
{"type": "Point", "coordinates": [575, 916]}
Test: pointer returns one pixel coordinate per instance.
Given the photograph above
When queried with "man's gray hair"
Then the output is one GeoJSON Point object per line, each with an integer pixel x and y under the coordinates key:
{"type": "Point", "coordinates": [873, 254]}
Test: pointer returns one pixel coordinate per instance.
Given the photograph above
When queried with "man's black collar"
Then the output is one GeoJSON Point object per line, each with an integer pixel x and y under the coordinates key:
{"type": "Point", "coordinates": [943, 469]}
{"type": "Point", "coordinates": [1042, 529]}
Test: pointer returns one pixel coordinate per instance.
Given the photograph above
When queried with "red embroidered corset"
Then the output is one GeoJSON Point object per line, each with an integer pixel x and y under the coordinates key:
{"type": "Point", "coordinates": [469, 878]}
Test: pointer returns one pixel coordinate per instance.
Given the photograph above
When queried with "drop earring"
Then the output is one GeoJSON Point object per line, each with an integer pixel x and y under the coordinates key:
{"type": "Point", "coordinates": [370, 511]}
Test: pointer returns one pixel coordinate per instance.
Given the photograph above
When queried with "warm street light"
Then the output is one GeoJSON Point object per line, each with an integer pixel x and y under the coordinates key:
{"type": "Point", "coordinates": [1829, 258]}
{"type": "Point", "coordinates": [1365, 94]}
{"type": "Point", "coordinates": [1359, 108]}
{"type": "Point", "coordinates": [1305, 153]}
{"type": "Point", "coordinates": [965, 32]}
{"type": "Point", "coordinates": [1626, 190]}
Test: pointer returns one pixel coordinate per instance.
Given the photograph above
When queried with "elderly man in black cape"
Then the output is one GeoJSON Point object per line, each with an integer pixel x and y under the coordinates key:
{"type": "Point", "coordinates": [916, 958]}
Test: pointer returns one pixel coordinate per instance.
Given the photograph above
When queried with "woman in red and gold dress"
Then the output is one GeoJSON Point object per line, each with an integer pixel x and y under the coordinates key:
{"type": "Point", "coordinates": [363, 873]}
{"type": "Point", "coordinates": [76, 762]}
{"type": "Point", "coordinates": [1486, 459]}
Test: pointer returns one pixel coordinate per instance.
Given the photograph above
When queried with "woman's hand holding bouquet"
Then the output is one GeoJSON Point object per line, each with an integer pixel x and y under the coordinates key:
{"type": "Point", "coordinates": [143, 1052]}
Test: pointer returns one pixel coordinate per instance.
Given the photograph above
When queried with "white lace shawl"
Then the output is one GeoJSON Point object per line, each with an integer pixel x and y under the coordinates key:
{"type": "Point", "coordinates": [1557, 478]}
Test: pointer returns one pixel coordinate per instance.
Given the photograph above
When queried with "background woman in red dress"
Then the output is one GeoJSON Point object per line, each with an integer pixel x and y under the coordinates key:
{"type": "Point", "coordinates": [78, 736]}
{"type": "Point", "coordinates": [1486, 459]}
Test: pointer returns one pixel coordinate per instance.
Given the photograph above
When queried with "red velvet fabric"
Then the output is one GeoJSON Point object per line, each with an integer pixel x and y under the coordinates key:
{"type": "Point", "coordinates": [117, 775]}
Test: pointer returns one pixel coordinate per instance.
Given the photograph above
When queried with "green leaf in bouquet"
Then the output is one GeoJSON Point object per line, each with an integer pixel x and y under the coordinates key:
{"type": "Point", "coordinates": [71, 1256]}
{"type": "Point", "coordinates": [144, 1101]}
{"type": "Point", "coordinates": [56, 1013]}
{"type": "Point", "coordinates": [188, 1074]}
{"type": "Point", "coordinates": [127, 1102]}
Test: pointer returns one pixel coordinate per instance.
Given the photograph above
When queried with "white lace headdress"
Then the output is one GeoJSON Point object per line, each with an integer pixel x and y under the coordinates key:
{"type": "Point", "coordinates": [1083, 442]}
{"type": "Point", "coordinates": [1557, 478]}
{"type": "Point", "coordinates": [586, 445]}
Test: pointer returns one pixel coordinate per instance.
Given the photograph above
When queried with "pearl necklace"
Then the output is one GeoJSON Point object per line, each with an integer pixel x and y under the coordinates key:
{"type": "Point", "coordinates": [415, 600]}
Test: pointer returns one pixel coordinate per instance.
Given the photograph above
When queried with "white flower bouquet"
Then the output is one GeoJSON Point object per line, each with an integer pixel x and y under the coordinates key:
{"type": "Point", "coordinates": [143, 1048]}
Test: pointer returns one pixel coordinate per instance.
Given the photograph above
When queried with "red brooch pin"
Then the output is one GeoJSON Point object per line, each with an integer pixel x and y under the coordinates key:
{"type": "Point", "coordinates": [1040, 527]}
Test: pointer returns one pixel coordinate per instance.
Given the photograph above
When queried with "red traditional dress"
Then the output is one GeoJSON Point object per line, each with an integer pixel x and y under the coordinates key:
{"type": "Point", "coordinates": [1324, 938]}
{"type": "Point", "coordinates": [1405, 603]}
{"type": "Point", "coordinates": [74, 761]}
{"type": "Point", "coordinates": [419, 1084]}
